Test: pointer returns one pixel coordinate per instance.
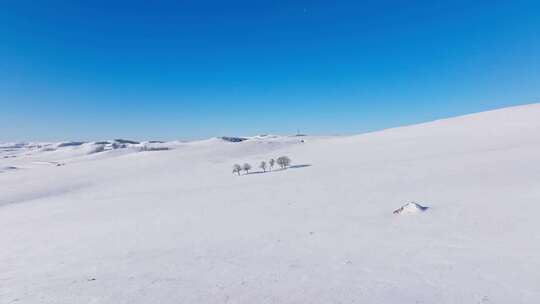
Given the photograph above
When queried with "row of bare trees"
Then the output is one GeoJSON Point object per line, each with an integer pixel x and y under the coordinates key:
{"type": "Point", "coordinates": [283, 162]}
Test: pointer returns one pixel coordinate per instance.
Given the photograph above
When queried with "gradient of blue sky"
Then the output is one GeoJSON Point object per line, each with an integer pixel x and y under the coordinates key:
{"type": "Point", "coordinates": [194, 69]}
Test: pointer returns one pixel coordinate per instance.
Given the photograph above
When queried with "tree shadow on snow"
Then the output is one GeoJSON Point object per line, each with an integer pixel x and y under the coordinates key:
{"type": "Point", "coordinates": [299, 166]}
{"type": "Point", "coordinates": [279, 169]}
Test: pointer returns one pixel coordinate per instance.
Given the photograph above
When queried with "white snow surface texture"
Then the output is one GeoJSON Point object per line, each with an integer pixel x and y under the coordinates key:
{"type": "Point", "coordinates": [128, 225]}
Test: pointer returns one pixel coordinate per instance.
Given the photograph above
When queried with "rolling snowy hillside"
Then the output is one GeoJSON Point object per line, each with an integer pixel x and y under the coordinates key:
{"type": "Point", "coordinates": [121, 222]}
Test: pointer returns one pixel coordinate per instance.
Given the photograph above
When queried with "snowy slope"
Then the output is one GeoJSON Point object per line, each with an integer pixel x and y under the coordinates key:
{"type": "Point", "coordinates": [175, 226]}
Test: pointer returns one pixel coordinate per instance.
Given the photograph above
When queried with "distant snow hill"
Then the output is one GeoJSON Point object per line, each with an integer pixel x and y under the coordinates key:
{"type": "Point", "coordinates": [122, 221]}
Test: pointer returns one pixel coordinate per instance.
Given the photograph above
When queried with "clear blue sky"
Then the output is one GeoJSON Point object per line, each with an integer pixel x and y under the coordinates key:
{"type": "Point", "coordinates": [194, 69]}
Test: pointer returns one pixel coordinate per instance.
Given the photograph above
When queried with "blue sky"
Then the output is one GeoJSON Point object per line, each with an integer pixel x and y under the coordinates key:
{"type": "Point", "coordinates": [194, 69]}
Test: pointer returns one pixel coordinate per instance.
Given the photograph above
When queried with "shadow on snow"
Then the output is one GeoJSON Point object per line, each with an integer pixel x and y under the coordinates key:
{"type": "Point", "coordinates": [280, 169]}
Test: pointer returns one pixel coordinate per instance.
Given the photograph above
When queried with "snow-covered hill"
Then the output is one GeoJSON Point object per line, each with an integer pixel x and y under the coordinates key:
{"type": "Point", "coordinates": [169, 222]}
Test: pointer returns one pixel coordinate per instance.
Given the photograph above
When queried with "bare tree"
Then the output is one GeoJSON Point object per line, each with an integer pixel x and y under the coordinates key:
{"type": "Point", "coordinates": [272, 162]}
{"type": "Point", "coordinates": [263, 165]}
{"type": "Point", "coordinates": [283, 161]}
{"type": "Point", "coordinates": [246, 167]}
{"type": "Point", "coordinates": [236, 169]}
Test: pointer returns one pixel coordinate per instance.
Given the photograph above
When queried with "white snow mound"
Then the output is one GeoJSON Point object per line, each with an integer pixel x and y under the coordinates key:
{"type": "Point", "coordinates": [410, 208]}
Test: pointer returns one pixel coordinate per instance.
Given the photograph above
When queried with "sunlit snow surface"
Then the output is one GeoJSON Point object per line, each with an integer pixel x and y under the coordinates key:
{"type": "Point", "coordinates": [129, 224]}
